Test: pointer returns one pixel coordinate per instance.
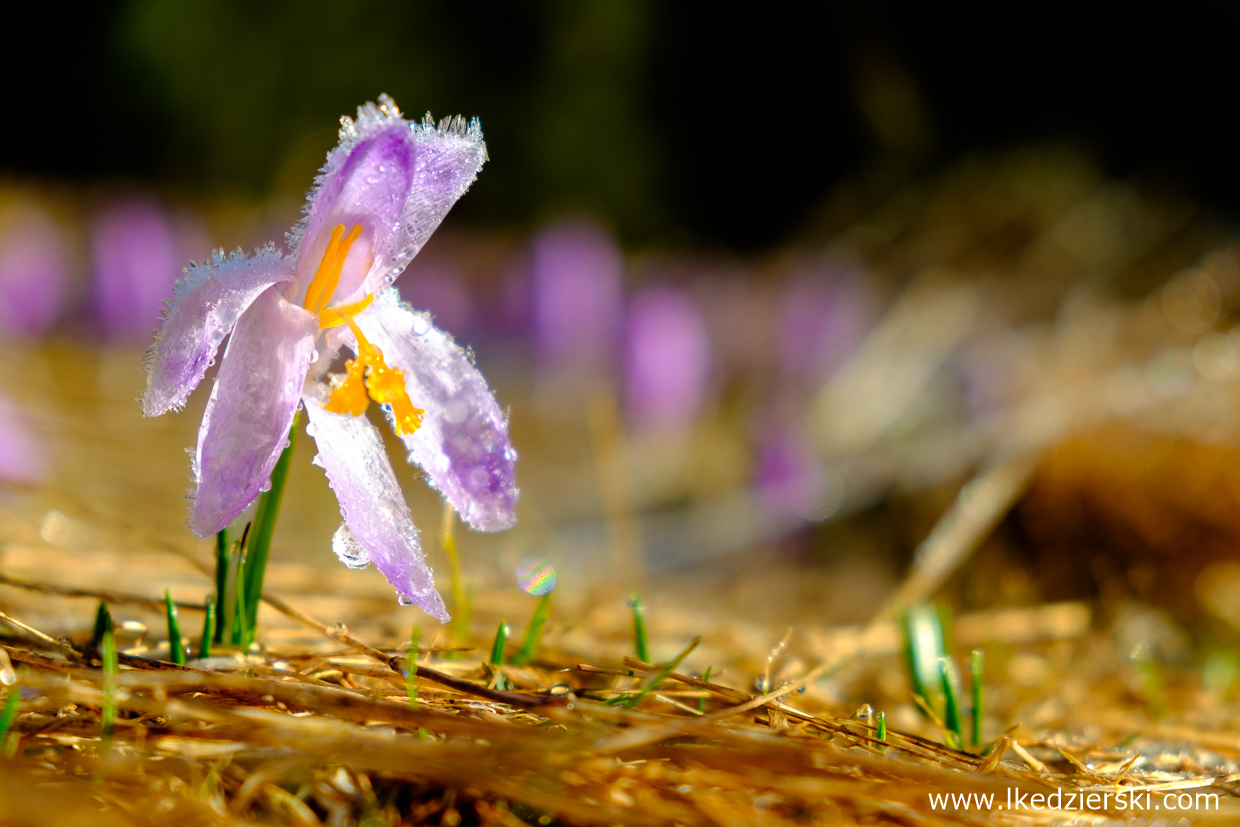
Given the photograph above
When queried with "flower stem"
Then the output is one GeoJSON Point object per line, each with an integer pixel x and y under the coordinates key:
{"type": "Point", "coordinates": [264, 527]}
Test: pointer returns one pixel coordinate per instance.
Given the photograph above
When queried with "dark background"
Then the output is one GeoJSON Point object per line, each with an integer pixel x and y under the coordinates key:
{"type": "Point", "coordinates": [677, 122]}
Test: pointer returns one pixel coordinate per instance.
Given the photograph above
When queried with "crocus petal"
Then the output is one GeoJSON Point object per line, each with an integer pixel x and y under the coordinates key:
{"type": "Point", "coordinates": [396, 179]}
{"type": "Point", "coordinates": [205, 306]}
{"type": "Point", "coordinates": [247, 420]}
{"type": "Point", "coordinates": [463, 443]}
{"type": "Point", "coordinates": [372, 503]}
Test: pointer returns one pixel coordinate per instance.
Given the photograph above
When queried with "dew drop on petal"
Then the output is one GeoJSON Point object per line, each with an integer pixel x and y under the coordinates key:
{"type": "Point", "coordinates": [404, 601]}
{"type": "Point", "coordinates": [536, 576]}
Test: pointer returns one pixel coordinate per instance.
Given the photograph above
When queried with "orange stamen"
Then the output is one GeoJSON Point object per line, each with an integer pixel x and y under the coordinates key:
{"type": "Point", "coordinates": [327, 277]}
{"type": "Point", "coordinates": [384, 384]}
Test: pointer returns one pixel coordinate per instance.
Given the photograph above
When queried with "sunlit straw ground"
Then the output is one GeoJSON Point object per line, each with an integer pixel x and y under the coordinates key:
{"type": "Point", "coordinates": [1082, 530]}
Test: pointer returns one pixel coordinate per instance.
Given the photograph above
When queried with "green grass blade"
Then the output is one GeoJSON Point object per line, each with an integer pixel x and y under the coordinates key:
{"type": "Point", "coordinates": [882, 727]}
{"type": "Point", "coordinates": [641, 641]}
{"type": "Point", "coordinates": [107, 712]}
{"type": "Point", "coordinates": [655, 680]}
{"type": "Point", "coordinates": [533, 632]}
{"type": "Point", "coordinates": [176, 648]}
{"type": "Point", "coordinates": [264, 528]}
{"type": "Point", "coordinates": [497, 654]}
{"type": "Point", "coordinates": [953, 719]}
{"type": "Point", "coordinates": [411, 666]}
{"type": "Point", "coordinates": [922, 630]}
{"type": "Point", "coordinates": [976, 662]}
{"type": "Point", "coordinates": [208, 628]}
{"type": "Point", "coordinates": [9, 715]}
{"type": "Point", "coordinates": [103, 623]}
{"type": "Point", "coordinates": [702, 701]}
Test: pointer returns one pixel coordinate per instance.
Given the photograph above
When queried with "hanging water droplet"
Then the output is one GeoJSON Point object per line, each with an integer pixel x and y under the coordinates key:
{"type": "Point", "coordinates": [348, 549]}
{"type": "Point", "coordinates": [536, 576]}
{"type": "Point", "coordinates": [404, 601]}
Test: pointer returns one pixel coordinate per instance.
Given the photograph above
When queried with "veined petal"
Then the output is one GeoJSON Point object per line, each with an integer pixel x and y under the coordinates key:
{"type": "Point", "coordinates": [205, 306]}
{"type": "Point", "coordinates": [247, 420]}
{"type": "Point", "coordinates": [372, 503]}
{"type": "Point", "coordinates": [394, 178]}
{"type": "Point", "coordinates": [463, 443]}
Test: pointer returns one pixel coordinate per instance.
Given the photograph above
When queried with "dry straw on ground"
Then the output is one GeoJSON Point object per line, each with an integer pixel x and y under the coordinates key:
{"type": "Point", "coordinates": [1083, 529]}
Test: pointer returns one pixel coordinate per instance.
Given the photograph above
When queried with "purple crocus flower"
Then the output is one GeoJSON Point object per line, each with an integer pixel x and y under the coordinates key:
{"type": "Point", "coordinates": [384, 189]}
{"type": "Point", "coordinates": [33, 271]}
{"type": "Point", "coordinates": [668, 364]}
{"type": "Point", "coordinates": [578, 295]}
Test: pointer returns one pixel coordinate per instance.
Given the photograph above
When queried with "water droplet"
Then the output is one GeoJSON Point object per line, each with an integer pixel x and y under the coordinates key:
{"type": "Point", "coordinates": [348, 549]}
{"type": "Point", "coordinates": [404, 601]}
{"type": "Point", "coordinates": [536, 576]}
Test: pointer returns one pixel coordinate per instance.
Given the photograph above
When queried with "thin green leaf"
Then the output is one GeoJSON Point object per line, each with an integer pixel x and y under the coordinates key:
{"type": "Point", "coordinates": [103, 623]}
{"type": "Point", "coordinates": [208, 628]}
{"type": "Point", "coordinates": [976, 663]}
{"type": "Point", "coordinates": [953, 719]}
{"type": "Point", "coordinates": [176, 648]}
{"type": "Point", "coordinates": [533, 632]}
{"type": "Point", "coordinates": [110, 669]}
{"type": "Point", "coordinates": [656, 679]}
{"type": "Point", "coordinates": [641, 641]}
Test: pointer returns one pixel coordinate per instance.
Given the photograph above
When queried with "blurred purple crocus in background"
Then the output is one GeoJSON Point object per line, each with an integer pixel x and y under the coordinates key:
{"type": "Point", "coordinates": [135, 261]}
{"type": "Point", "coordinates": [668, 358]}
{"type": "Point", "coordinates": [21, 459]}
{"type": "Point", "coordinates": [382, 192]}
{"type": "Point", "coordinates": [822, 319]}
{"type": "Point", "coordinates": [576, 277]}
{"type": "Point", "coordinates": [791, 483]}
{"type": "Point", "coordinates": [33, 271]}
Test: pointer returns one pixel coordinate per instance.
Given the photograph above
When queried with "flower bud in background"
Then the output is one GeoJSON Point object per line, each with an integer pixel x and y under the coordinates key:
{"type": "Point", "coordinates": [137, 253]}
{"type": "Point", "coordinates": [577, 273]}
{"type": "Point", "coordinates": [668, 359]}
{"type": "Point", "coordinates": [33, 270]}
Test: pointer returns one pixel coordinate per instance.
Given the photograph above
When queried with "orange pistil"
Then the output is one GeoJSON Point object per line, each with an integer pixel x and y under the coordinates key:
{"type": "Point", "coordinates": [327, 277]}
{"type": "Point", "coordinates": [384, 384]}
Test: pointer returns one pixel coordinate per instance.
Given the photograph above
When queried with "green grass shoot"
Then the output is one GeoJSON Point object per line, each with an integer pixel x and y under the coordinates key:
{"type": "Point", "coordinates": [176, 647]}
{"type": "Point", "coordinates": [497, 654]}
{"type": "Point", "coordinates": [656, 679]}
{"type": "Point", "coordinates": [208, 628]}
{"type": "Point", "coordinates": [922, 629]}
{"type": "Point", "coordinates": [259, 548]}
{"type": "Point", "coordinates": [953, 718]}
{"type": "Point", "coordinates": [103, 623]}
{"type": "Point", "coordinates": [702, 701]}
{"type": "Point", "coordinates": [411, 665]}
{"type": "Point", "coordinates": [8, 716]}
{"type": "Point", "coordinates": [882, 727]}
{"type": "Point", "coordinates": [641, 641]}
{"type": "Point", "coordinates": [977, 660]}
{"type": "Point", "coordinates": [111, 667]}
{"type": "Point", "coordinates": [533, 632]}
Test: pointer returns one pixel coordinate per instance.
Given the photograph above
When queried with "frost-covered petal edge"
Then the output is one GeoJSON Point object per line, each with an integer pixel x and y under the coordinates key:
{"type": "Point", "coordinates": [205, 305]}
